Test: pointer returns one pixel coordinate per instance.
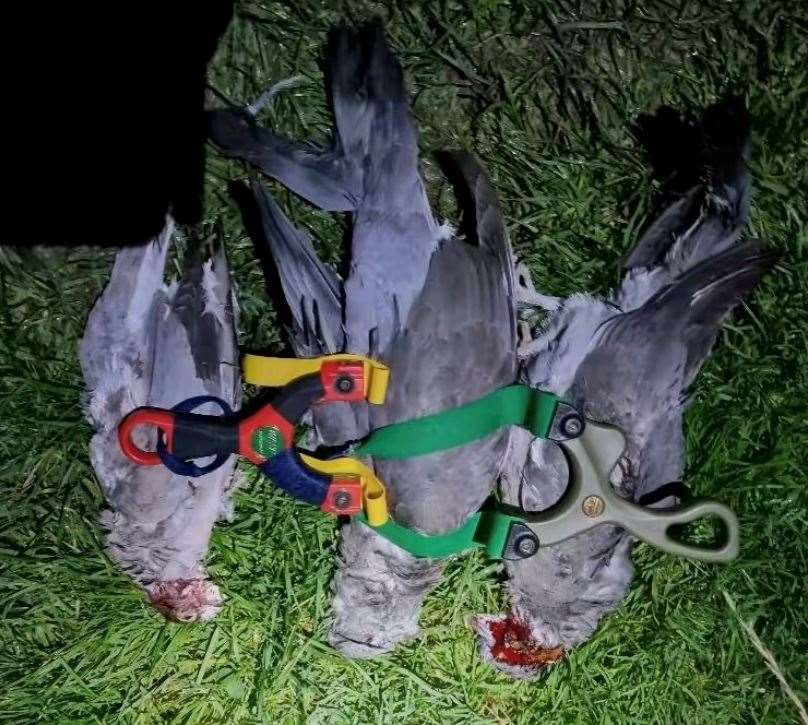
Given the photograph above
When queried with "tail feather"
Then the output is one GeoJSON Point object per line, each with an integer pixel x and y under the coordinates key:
{"type": "Point", "coordinates": [319, 175]}
{"type": "Point", "coordinates": [367, 93]}
{"type": "Point", "coordinates": [492, 234]}
{"type": "Point", "coordinates": [709, 217]}
{"type": "Point", "coordinates": [371, 116]}
{"type": "Point", "coordinates": [118, 341]}
{"type": "Point", "coordinates": [312, 290]}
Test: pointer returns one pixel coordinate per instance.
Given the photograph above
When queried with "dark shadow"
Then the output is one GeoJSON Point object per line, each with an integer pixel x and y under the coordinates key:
{"type": "Point", "coordinates": [680, 145]}
{"type": "Point", "coordinates": [671, 140]}
{"type": "Point", "coordinates": [685, 148]}
{"type": "Point", "coordinates": [465, 200]}
{"type": "Point", "coordinates": [104, 129]}
{"type": "Point", "coordinates": [247, 205]}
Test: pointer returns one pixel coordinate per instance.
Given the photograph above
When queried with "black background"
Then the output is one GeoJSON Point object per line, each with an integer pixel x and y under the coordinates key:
{"type": "Point", "coordinates": [103, 128]}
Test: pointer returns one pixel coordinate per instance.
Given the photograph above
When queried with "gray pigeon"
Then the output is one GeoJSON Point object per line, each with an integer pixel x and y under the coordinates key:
{"type": "Point", "coordinates": [370, 170]}
{"type": "Point", "coordinates": [150, 344]}
{"type": "Point", "coordinates": [448, 336]}
{"type": "Point", "coordinates": [627, 360]}
{"type": "Point", "coordinates": [440, 311]}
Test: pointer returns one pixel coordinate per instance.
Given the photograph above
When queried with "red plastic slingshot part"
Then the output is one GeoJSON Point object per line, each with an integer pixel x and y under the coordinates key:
{"type": "Point", "coordinates": [161, 419]}
{"type": "Point", "coordinates": [265, 417]}
{"type": "Point", "coordinates": [342, 381]}
{"type": "Point", "coordinates": [344, 497]}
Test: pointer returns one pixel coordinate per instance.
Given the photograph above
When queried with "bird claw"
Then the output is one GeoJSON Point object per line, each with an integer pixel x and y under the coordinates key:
{"type": "Point", "coordinates": [528, 300]}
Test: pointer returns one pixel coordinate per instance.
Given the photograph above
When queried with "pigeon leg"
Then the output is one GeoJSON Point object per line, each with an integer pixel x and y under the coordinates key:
{"type": "Point", "coordinates": [378, 593]}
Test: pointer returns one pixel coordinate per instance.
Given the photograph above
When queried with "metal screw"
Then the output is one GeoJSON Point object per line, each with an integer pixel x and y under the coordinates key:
{"type": "Point", "coordinates": [342, 499]}
{"type": "Point", "coordinates": [344, 384]}
{"type": "Point", "coordinates": [526, 545]}
{"type": "Point", "coordinates": [593, 506]}
{"type": "Point", "coordinates": [572, 426]}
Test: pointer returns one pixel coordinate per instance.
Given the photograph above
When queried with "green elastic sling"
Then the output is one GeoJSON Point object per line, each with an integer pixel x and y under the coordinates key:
{"type": "Point", "coordinates": [515, 405]}
{"type": "Point", "coordinates": [488, 528]}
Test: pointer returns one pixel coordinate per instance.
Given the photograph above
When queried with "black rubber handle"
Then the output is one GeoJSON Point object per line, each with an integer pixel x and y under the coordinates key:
{"type": "Point", "coordinates": [294, 399]}
{"type": "Point", "coordinates": [198, 436]}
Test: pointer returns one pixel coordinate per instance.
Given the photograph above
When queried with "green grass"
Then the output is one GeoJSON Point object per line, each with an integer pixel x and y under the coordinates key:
{"type": "Point", "coordinates": [545, 95]}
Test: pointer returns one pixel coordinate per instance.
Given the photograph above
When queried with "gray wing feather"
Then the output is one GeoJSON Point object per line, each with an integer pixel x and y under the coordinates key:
{"type": "Point", "coordinates": [459, 343]}
{"type": "Point", "coordinates": [325, 177]}
{"type": "Point", "coordinates": [312, 289]}
{"type": "Point", "coordinates": [492, 234]}
{"type": "Point", "coordinates": [661, 235]}
{"type": "Point", "coordinates": [195, 343]}
{"type": "Point", "coordinates": [122, 322]}
{"type": "Point", "coordinates": [715, 229]}
{"type": "Point", "coordinates": [457, 346]}
{"type": "Point", "coordinates": [690, 311]}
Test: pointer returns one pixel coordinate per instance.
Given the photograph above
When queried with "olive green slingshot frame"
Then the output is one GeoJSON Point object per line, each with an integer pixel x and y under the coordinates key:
{"type": "Point", "coordinates": [592, 451]}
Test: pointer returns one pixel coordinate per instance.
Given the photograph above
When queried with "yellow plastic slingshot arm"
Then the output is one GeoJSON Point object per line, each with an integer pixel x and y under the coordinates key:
{"type": "Point", "coordinates": [275, 372]}
{"type": "Point", "coordinates": [374, 496]}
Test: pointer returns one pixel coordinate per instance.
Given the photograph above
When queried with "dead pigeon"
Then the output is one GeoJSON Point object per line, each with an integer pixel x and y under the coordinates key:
{"type": "Point", "coordinates": [440, 311]}
{"type": "Point", "coordinates": [628, 360]}
{"type": "Point", "coordinates": [147, 343]}
{"type": "Point", "coordinates": [369, 170]}
{"type": "Point", "coordinates": [444, 336]}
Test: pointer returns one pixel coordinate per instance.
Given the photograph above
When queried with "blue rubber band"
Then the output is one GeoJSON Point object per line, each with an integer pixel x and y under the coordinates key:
{"type": "Point", "coordinates": [187, 468]}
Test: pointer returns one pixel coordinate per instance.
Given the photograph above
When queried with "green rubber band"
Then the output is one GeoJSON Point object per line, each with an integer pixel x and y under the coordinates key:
{"type": "Point", "coordinates": [513, 405]}
{"type": "Point", "coordinates": [488, 529]}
